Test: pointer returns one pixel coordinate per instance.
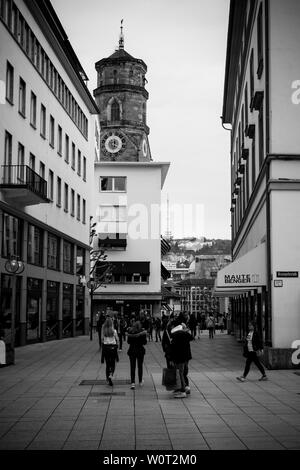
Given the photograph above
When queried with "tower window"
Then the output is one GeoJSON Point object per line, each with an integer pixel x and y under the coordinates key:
{"type": "Point", "coordinates": [115, 111]}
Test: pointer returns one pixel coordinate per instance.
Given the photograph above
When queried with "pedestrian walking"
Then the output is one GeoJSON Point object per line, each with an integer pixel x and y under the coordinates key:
{"type": "Point", "coordinates": [181, 355]}
{"type": "Point", "coordinates": [101, 320]}
{"type": "Point", "coordinates": [122, 331]}
{"type": "Point", "coordinates": [221, 323]}
{"type": "Point", "coordinates": [253, 348]}
{"type": "Point", "coordinates": [157, 325]}
{"type": "Point", "coordinates": [150, 329]}
{"type": "Point", "coordinates": [110, 343]}
{"type": "Point", "coordinates": [211, 326]}
{"type": "Point", "coordinates": [192, 324]}
{"type": "Point", "coordinates": [136, 338]}
{"type": "Point", "coordinates": [166, 343]}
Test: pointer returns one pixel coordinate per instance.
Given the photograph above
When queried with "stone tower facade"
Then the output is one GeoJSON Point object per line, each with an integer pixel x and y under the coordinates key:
{"type": "Point", "coordinates": [122, 98]}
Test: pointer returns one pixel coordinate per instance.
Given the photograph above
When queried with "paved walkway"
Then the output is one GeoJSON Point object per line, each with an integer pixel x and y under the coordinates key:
{"type": "Point", "coordinates": [44, 405]}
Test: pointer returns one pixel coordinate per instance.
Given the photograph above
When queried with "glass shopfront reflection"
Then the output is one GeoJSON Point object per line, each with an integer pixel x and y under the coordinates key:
{"type": "Point", "coordinates": [67, 310]}
{"type": "Point", "coordinates": [34, 309]}
{"type": "Point", "coordinates": [79, 309]}
{"type": "Point", "coordinates": [52, 310]}
{"type": "Point", "coordinates": [6, 308]}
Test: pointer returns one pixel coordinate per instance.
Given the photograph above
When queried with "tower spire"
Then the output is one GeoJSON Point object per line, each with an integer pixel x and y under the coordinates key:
{"type": "Point", "coordinates": [121, 39]}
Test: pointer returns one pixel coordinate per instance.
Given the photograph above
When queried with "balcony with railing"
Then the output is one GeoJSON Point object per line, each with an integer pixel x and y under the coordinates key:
{"type": "Point", "coordinates": [22, 185]}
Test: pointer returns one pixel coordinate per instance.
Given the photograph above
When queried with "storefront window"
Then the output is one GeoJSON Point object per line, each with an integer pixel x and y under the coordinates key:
{"type": "Point", "coordinates": [79, 309]}
{"type": "Point", "coordinates": [53, 252]}
{"type": "Point", "coordinates": [80, 261]}
{"type": "Point", "coordinates": [35, 245]}
{"type": "Point", "coordinates": [68, 258]}
{"type": "Point", "coordinates": [34, 309]}
{"type": "Point", "coordinates": [52, 310]}
{"type": "Point", "coordinates": [12, 236]}
{"type": "Point", "coordinates": [67, 309]}
{"type": "Point", "coordinates": [6, 308]}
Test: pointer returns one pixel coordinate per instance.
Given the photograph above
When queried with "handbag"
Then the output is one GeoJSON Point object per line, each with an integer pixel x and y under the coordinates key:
{"type": "Point", "coordinates": [171, 378]}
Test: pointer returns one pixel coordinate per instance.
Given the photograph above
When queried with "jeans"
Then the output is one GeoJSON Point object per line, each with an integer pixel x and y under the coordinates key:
{"type": "Point", "coordinates": [157, 334]}
{"type": "Point", "coordinates": [183, 373]}
{"type": "Point", "coordinates": [252, 357]}
{"type": "Point", "coordinates": [139, 360]}
{"type": "Point", "coordinates": [110, 360]}
{"type": "Point", "coordinates": [211, 332]}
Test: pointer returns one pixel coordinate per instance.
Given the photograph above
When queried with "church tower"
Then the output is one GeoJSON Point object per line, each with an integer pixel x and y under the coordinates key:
{"type": "Point", "coordinates": [121, 97]}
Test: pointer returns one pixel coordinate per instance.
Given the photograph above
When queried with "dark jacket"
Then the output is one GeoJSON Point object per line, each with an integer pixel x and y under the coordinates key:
{"type": "Point", "coordinates": [257, 342]}
{"type": "Point", "coordinates": [180, 346]}
{"type": "Point", "coordinates": [136, 342]}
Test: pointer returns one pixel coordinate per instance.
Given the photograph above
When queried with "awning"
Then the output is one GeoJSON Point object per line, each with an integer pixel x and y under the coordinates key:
{"type": "Point", "coordinates": [165, 274]}
{"type": "Point", "coordinates": [242, 275]}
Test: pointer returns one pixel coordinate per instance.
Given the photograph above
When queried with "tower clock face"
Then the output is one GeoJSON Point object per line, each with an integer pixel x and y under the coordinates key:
{"type": "Point", "coordinates": [113, 143]}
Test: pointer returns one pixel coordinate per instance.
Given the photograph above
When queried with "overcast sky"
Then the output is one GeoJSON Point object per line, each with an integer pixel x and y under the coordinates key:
{"type": "Point", "coordinates": [183, 43]}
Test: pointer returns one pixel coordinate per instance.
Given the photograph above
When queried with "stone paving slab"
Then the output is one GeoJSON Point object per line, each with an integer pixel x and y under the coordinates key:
{"type": "Point", "coordinates": [44, 407]}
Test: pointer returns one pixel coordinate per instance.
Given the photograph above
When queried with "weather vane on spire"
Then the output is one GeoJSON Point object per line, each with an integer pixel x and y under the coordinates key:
{"type": "Point", "coordinates": [121, 40]}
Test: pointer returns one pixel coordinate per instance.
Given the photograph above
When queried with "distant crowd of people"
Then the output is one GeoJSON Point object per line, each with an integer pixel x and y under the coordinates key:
{"type": "Point", "coordinates": [175, 332]}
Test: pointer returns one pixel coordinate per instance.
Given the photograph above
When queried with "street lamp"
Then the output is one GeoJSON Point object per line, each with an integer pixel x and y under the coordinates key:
{"type": "Point", "coordinates": [14, 266]}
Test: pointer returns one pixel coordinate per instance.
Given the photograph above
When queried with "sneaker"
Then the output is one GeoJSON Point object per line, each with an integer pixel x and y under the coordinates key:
{"type": "Point", "coordinates": [141, 383]}
{"type": "Point", "coordinates": [187, 390]}
{"type": "Point", "coordinates": [132, 386]}
{"type": "Point", "coordinates": [179, 395]}
{"type": "Point", "coordinates": [241, 379]}
{"type": "Point", "coordinates": [263, 377]}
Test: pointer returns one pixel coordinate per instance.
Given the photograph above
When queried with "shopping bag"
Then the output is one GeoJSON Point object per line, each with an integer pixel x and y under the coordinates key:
{"type": "Point", "coordinates": [170, 378]}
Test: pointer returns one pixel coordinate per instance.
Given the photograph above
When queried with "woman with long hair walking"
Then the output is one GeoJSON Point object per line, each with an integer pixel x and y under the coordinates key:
{"type": "Point", "coordinates": [253, 347]}
{"type": "Point", "coordinates": [136, 339]}
{"type": "Point", "coordinates": [110, 342]}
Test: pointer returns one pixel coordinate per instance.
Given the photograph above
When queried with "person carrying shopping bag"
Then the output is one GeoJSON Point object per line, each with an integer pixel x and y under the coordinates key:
{"type": "Point", "coordinates": [136, 338]}
{"type": "Point", "coordinates": [110, 341]}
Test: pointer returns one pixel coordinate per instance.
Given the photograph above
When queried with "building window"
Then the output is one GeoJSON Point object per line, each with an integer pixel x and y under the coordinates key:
{"type": "Point", "coordinates": [43, 121]}
{"type": "Point", "coordinates": [21, 162]}
{"type": "Point", "coordinates": [73, 163]}
{"type": "Point", "coordinates": [42, 170]}
{"type": "Point", "coordinates": [12, 236]}
{"type": "Point", "coordinates": [251, 78]}
{"type": "Point", "coordinates": [9, 83]}
{"type": "Point", "coordinates": [259, 43]}
{"type": "Point", "coordinates": [32, 161]}
{"type": "Point", "coordinates": [35, 245]}
{"type": "Point", "coordinates": [72, 202]}
{"type": "Point", "coordinates": [253, 163]}
{"type": "Point", "coordinates": [68, 258]}
{"type": "Point", "coordinates": [115, 111]}
{"type": "Point", "coordinates": [66, 200]}
{"type": "Point", "coordinates": [53, 252]}
{"type": "Point", "coordinates": [59, 140]}
{"type": "Point", "coordinates": [78, 207]}
{"type": "Point", "coordinates": [22, 97]}
{"type": "Point", "coordinates": [51, 184]}
{"type": "Point", "coordinates": [261, 136]}
{"type": "Point", "coordinates": [8, 149]}
{"type": "Point", "coordinates": [33, 110]}
{"type": "Point", "coordinates": [83, 211]}
{"type": "Point", "coordinates": [112, 213]}
{"type": "Point", "coordinates": [51, 131]}
{"type": "Point", "coordinates": [113, 183]}
{"type": "Point", "coordinates": [79, 163]}
{"type": "Point", "coordinates": [58, 194]}
{"type": "Point", "coordinates": [66, 148]}
{"type": "Point", "coordinates": [84, 169]}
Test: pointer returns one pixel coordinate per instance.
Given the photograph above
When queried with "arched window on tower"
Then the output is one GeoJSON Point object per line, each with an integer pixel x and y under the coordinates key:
{"type": "Point", "coordinates": [115, 76]}
{"type": "Point", "coordinates": [115, 111]}
{"type": "Point", "coordinates": [144, 113]}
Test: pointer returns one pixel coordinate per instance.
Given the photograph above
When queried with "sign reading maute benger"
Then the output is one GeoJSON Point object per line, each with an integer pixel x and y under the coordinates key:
{"type": "Point", "coordinates": [244, 279]}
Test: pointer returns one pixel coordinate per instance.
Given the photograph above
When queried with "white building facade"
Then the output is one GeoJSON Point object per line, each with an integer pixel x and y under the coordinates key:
{"type": "Point", "coordinates": [46, 174]}
{"type": "Point", "coordinates": [262, 104]}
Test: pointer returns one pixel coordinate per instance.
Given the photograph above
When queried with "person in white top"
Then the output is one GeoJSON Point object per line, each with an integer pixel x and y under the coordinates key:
{"type": "Point", "coordinates": [110, 342]}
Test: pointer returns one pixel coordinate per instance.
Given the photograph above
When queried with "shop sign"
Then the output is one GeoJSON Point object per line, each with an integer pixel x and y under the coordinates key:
{"type": "Point", "coordinates": [241, 278]}
{"type": "Point", "coordinates": [119, 301]}
{"type": "Point", "coordinates": [278, 283]}
{"type": "Point", "coordinates": [287, 274]}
